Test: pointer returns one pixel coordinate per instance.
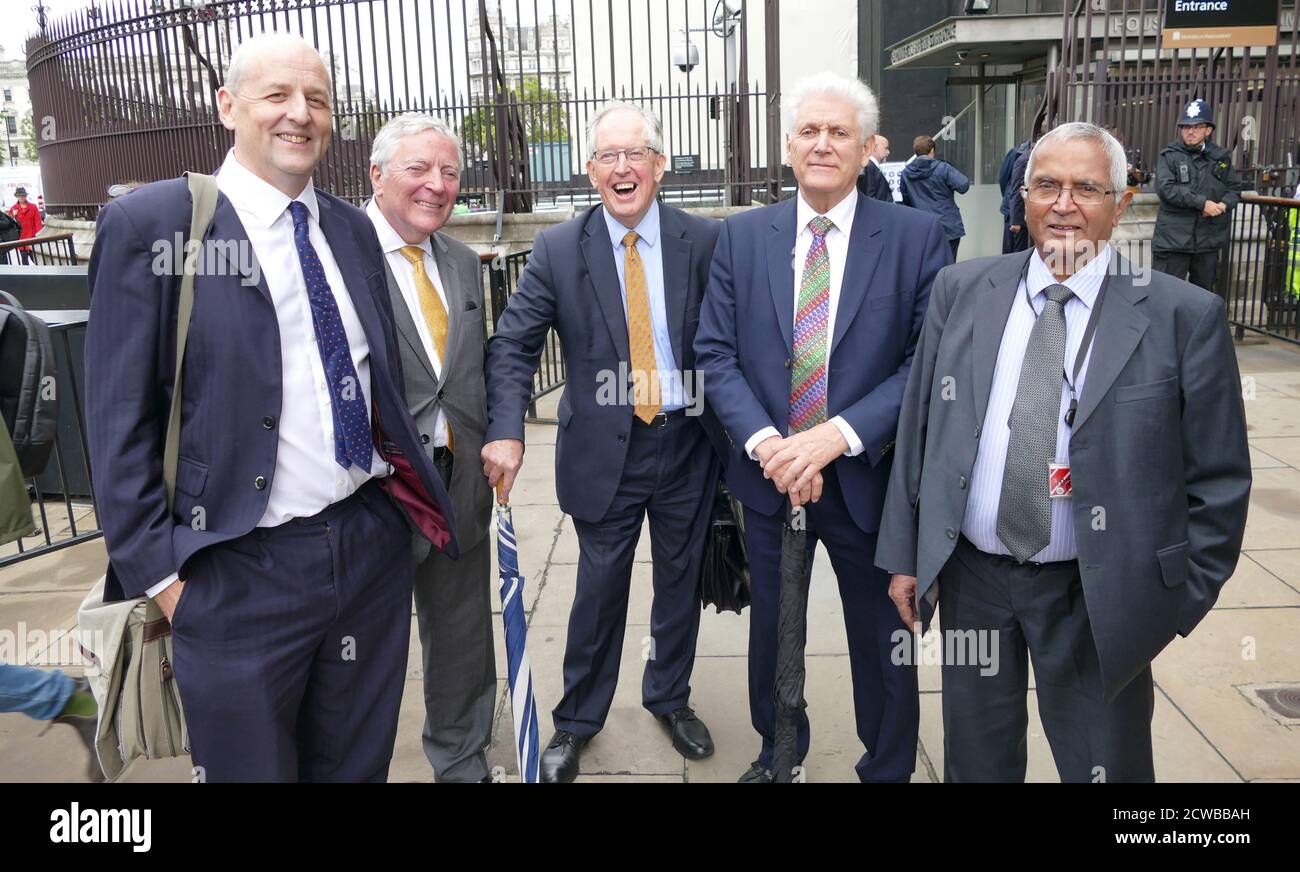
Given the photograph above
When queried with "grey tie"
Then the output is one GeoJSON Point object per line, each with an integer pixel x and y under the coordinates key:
{"type": "Point", "coordinates": [1024, 510]}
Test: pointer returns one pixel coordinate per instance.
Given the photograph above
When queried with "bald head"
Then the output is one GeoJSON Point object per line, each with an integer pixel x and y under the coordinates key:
{"type": "Point", "coordinates": [268, 47]}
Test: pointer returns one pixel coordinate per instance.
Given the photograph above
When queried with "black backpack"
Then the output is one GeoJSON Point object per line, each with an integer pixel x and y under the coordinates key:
{"type": "Point", "coordinates": [10, 229]}
{"type": "Point", "coordinates": [28, 394]}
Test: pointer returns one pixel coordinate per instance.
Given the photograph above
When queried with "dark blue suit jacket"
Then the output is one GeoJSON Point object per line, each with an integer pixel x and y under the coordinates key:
{"type": "Point", "coordinates": [231, 399]}
{"type": "Point", "coordinates": [745, 342]}
{"type": "Point", "coordinates": [571, 284]}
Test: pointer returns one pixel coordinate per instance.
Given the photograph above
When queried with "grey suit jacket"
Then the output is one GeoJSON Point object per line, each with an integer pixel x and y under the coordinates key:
{"type": "Point", "coordinates": [459, 391]}
{"type": "Point", "coordinates": [1158, 455]}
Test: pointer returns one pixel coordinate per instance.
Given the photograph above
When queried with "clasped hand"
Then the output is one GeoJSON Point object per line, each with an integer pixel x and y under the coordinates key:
{"type": "Point", "coordinates": [794, 464]}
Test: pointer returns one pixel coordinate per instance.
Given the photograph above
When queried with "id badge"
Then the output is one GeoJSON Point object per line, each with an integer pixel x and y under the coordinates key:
{"type": "Point", "coordinates": [1058, 481]}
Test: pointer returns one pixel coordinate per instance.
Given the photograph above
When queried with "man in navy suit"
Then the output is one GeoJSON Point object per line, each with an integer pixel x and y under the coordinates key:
{"type": "Point", "coordinates": [621, 284]}
{"type": "Point", "coordinates": [805, 341]}
{"type": "Point", "coordinates": [284, 563]}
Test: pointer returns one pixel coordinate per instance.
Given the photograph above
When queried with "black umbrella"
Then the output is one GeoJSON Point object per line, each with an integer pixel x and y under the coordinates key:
{"type": "Point", "coordinates": [724, 578]}
{"type": "Point", "coordinates": [791, 640]}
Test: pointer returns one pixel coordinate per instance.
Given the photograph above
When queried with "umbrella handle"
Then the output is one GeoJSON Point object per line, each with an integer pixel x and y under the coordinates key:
{"type": "Point", "coordinates": [501, 501]}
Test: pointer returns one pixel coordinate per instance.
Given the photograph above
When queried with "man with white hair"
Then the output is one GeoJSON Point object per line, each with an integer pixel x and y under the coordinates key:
{"type": "Point", "coordinates": [621, 285]}
{"type": "Point", "coordinates": [805, 342]}
{"type": "Point", "coordinates": [282, 560]}
{"type": "Point", "coordinates": [1071, 478]}
{"type": "Point", "coordinates": [436, 287]}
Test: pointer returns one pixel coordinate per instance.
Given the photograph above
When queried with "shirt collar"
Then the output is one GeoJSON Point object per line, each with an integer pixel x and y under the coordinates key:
{"type": "Point", "coordinates": [1085, 283]}
{"type": "Point", "coordinates": [647, 230]}
{"type": "Point", "coordinates": [389, 241]}
{"type": "Point", "coordinates": [249, 193]}
{"type": "Point", "coordinates": [841, 214]}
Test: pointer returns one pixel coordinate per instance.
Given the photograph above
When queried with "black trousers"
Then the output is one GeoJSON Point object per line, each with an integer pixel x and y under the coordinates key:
{"type": "Point", "coordinates": [291, 644]}
{"type": "Point", "coordinates": [1200, 266]}
{"type": "Point", "coordinates": [670, 475]}
{"type": "Point", "coordinates": [992, 605]}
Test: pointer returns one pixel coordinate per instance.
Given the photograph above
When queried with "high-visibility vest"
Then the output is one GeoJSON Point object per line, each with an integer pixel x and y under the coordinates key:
{"type": "Point", "coordinates": [1294, 254]}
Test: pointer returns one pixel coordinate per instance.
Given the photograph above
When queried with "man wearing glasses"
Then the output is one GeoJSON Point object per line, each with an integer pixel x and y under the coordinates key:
{"type": "Point", "coordinates": [1198, 189]}
{"type": "Point", "coordinates": [1070, 481]}
{"type": "Point", "coordinates": [621, 285]}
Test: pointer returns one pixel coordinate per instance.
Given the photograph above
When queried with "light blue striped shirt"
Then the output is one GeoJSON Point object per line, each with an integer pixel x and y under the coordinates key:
{"type": "Point", "coordinates": [652, 261]}
{"type": "Point", "coordinates": [981, 523]}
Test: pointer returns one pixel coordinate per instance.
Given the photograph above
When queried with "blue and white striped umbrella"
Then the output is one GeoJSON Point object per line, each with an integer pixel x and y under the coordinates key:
{"type": "Point", "coordinates": [522, 704]}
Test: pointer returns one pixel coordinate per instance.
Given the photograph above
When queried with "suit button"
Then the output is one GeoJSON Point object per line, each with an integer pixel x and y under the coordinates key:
{"type": "Point", "coordinates": [260, 482]}
{"type": "Point", "coordinates": [961, 482]}
{"type": "Point", "coordinates": [952, 534]}
{"type": "Point", "coordinates": [442, 392]}
{"type": "Point", "coordinates": [424, 437]}
{"type": "Point", "coordinates": [268, 422]}
{"type": "Point", "coordinates": [622, 437]}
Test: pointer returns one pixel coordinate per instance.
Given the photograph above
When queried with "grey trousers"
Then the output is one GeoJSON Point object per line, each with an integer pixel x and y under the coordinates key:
{"type": "Point", "coordinates": [453, 605]}
{"type": "Point", "coordinates": [1037, 611]}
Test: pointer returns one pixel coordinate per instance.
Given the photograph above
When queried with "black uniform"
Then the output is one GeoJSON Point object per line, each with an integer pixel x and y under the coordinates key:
{"type": "Point", "coordinates": [1185, 240]}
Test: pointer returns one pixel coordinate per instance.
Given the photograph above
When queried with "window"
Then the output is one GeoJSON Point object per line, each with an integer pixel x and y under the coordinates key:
{"type": "Point", "coordinates": [13, 154]}
{"type": "Point", "coordinates": [9, 94]}
{"type": "Point", "coordinates": [12, 124]}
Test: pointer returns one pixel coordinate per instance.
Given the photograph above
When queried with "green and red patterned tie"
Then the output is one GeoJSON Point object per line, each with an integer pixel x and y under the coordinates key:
{"type": "Point", "coordinates": [808, 377]}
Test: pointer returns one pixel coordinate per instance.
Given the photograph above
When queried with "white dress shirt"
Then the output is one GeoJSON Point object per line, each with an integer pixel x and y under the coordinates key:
{"type": "Point", "coordinates": [837, 249]}
{"type": "Point", "coordinates": [307, 478]}
{"type": "Point", "coordinates": [981, 521]}
{"type": "Point", "coordinates": [392, 244]}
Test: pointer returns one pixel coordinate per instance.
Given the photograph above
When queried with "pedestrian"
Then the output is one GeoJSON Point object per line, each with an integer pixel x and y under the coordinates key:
{"type": "Point", "coordinates": [29, 219]}
{"type": "Point", "coordinates": [929, 183]}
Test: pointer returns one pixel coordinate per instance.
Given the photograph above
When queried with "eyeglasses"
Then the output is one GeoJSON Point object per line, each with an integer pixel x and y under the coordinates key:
{"type": "Point", "coordinates": [1049, 192]}
{"type": "Point", "coordinates": [609, 156]}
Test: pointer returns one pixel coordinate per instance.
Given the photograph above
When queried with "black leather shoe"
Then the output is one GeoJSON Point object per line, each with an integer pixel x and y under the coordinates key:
{"type": "Point", "coordinates": [756, 774]}
{"type": "Point", "coordinates": [559, 763]}
{"type": "Point", "coordinates": [691, 738]}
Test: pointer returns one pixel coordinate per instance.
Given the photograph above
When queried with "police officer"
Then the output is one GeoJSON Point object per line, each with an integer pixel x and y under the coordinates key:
{"type": "Point", "coordinates": [1198, 189]}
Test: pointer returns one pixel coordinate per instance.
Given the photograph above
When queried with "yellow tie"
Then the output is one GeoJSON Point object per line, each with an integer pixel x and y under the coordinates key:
{"type": "Point", "coordinates": [435, 313]}
{"type": "Point", "coordinates": [640, 334]}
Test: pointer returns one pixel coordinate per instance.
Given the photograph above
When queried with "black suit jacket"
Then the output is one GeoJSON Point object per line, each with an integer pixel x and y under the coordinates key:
{"type": "Point", "coordinates": [872, 183]}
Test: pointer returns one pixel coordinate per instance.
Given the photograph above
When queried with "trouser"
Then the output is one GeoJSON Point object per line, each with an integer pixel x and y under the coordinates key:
{"type": "Point", "coordinates": [290, 646]}
{"type": "Point", "coordinates": [990, 603]}
{"type": "Point", "coordinates": [37, 693]}
{"type": "Point", "coordinates": [454, 610]}
{"type": "Point", "coordinates": [885, 701]}
{"type": "Point", "coordinates": [1200, 266]}
{"type": "Point", "coordinates": [670, 475]}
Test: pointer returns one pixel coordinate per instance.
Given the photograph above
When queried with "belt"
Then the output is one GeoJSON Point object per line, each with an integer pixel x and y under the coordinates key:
{"type": "Point", "coordinates": [661, 419]}
{"type": "Point", "coordinates": [441, 454]}
{"type": "Point", "coordinates": [1052, 564]}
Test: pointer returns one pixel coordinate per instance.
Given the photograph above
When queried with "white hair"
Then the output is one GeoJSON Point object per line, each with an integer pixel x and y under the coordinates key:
{"type": "Point", "coordinates": [654, 129]}
{"type": "Point", "coordinates": [268, 41]}
{"type": "Point", "coordinates": [1075, 130]}
{"type": "Point", "coordinates": [852, 91]}
{"type": "Point", "coordinates": [399, 127]}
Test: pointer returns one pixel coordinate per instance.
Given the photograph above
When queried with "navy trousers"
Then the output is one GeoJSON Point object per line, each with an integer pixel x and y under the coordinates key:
{"type": "Point", "coordinates": [670, 474]}
{"type": "Point", "coordinates": [291, 643]}
{"type": "Point", "coordinates": [885, 701]}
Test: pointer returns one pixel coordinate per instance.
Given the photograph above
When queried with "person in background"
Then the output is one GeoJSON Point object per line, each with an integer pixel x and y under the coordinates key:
{"type": "Point", "coordinates": [872, 182]}
{"type": "Point", "coordinates": [51, 695]}
{"type": "Point", "coordinates": [929, 184]}
{"type": "Point", "coordinates": [1010, 193]}
{"type": "Point", "coordinates": [29, 217]}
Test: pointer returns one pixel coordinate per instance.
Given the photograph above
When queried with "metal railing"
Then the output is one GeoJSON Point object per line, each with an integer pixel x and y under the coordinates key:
{"type": "Point", "coordinates": [1259, 272]}
{"type": "Point", "coordinates": [502, 276]}
{"type": "Point", "coordinates": [129, 94]}
{"type": "Point", "coordinates": [65, 482]}
{"type": "Point", "coordinates": [55, 249]}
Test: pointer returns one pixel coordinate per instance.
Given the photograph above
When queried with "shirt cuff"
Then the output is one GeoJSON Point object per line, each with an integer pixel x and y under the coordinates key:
{"type": "Point", "coordinates": [855, 444]}
{"type": "Point", "coordinates": [162, 585]}
{"type": "Point", "coordinates": [753, 441]}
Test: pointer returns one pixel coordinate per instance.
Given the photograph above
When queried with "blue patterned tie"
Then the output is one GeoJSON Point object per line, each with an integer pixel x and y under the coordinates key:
{"type": "Point", "coordinates": [351, 421]}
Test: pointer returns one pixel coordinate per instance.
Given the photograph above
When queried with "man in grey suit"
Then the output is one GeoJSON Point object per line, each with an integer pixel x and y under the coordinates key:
{"type": "Point", "coordinates": [1038, 372]}
{"type": "Point", "coordinates": [437, 293]}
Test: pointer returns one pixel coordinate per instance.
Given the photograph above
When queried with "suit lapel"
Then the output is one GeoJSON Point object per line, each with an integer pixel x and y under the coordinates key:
{"type": "Point", "coordinates": [990, 323]}
{"type": "Point", "coordinates": [677, 273]}
{"type": "Point", "coordinates": [449, 275]}
{"type": "Point", "coordinates": [1119, 330]}
{"type": "Point", "coordinates": [780, 271]}
{"type": "Point", "coordinates": [598, 251]}
{"type": "Point", "coordinates": [863, 256]}
{"type": "Point", "coordinates": [226, 228]}
{"type": "Point", "coordinates": [405, 321]}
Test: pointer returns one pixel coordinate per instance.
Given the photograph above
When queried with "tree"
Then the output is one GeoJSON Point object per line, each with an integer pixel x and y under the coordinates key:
{"type": "Point", "coordinates": [540, 109]}
{"type": "Point", "coordinates": [27, 129]}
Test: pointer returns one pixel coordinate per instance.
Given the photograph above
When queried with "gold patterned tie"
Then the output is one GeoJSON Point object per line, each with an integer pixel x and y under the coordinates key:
{"type": "Point", "coordinates": [435, 313]}
{"type": "Point", "coordinates": [640, 334]}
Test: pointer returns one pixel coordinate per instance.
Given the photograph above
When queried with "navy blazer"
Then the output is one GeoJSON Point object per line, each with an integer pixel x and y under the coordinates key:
{"type": "Point", "coordinates": [744, 345]}
{"type": "Point", "coordinates": [231, 399]}
{"type": "Point", "coordinates": [571, 284]}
